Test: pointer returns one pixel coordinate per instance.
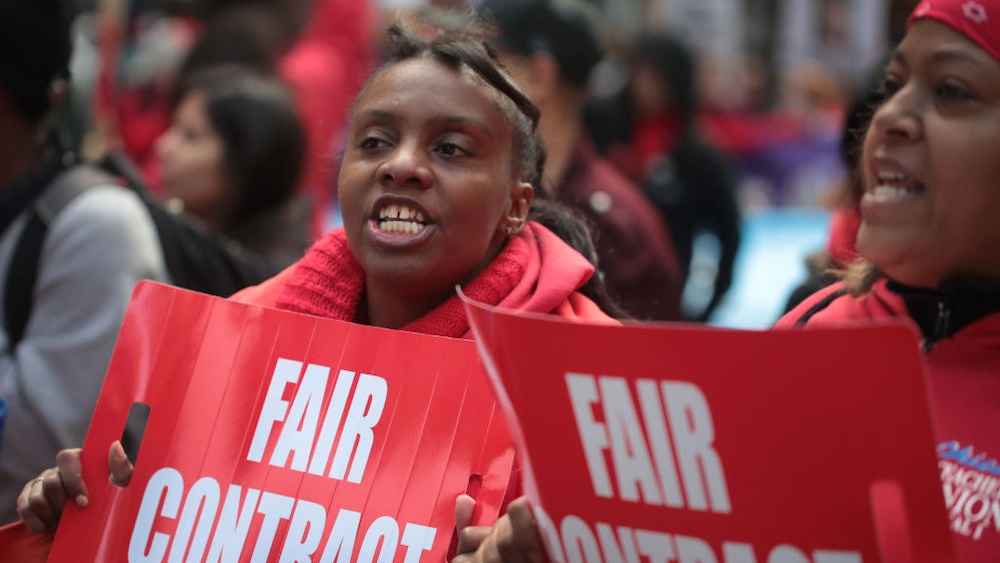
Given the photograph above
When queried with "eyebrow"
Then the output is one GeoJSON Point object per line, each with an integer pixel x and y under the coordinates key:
{"type": "Point", "coordinates": [454, 120]}
{"type": "Point", "coordinates": [944, 55]}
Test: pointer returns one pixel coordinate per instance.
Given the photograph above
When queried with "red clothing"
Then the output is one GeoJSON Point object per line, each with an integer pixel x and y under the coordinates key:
{"type": "Point", "coordinates": [964, 379]}
{"type": "Point", "coordinates": [653, 138]}
{"type": "Point", "coordinates": [325, 69]}
{"type": "Point", "coordinates": [18, 545]}
{"type": "Point", "coordinates": [535, 273]}
{"type": "Point", "coordinates": [842, 243]}
{"type": "Point", "coordinates": [634, 248]}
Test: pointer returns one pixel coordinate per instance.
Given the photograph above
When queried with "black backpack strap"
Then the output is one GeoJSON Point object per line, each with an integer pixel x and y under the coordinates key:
{"type": "Point", "coordinates": [22, 272]}
{"type": "Point", "coordinates": [819, 306]}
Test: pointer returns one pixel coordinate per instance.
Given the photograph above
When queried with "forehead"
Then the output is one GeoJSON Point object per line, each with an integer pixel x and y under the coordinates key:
{"type": "Point", "coordinates": [931, 41]}
{"type": "Point", "coordinates": [424, 87]}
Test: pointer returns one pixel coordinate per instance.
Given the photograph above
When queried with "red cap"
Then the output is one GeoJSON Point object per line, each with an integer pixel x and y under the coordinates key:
{"type": "Point", "coordinates": [979, 20]}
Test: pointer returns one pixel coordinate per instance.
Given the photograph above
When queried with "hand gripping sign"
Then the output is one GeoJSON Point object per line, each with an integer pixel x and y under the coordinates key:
{"type": "Point", "coordinates": [661, 443]}
{"type": "Point", "coordinates": [274, 436]}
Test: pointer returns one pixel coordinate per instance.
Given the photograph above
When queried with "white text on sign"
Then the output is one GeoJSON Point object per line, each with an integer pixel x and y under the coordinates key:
{"type": "Point", "coordinates": [303, 436]}
{"type": "Point", "coordinates": [674, 416]}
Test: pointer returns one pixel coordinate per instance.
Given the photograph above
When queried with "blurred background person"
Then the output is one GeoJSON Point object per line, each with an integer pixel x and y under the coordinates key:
{"type": "Point", "coordinates": [650, 131]}
{"type": "Point", "coordinates": [90, 254]}
{"type": "Point", "coordinates": [550, 49]}
{"type": "Point", "coordinates": [322, 48]}
{"type": "Point", "coordinates": [233, 158]}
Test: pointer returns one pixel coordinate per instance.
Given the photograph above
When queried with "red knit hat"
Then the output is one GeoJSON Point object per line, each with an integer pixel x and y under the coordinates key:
{"type": "Point", "coordinates": [979, 20]}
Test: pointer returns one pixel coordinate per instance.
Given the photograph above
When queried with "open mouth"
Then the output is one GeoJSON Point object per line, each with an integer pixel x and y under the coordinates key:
{"type": "Point", "coordinates": [893, 185]}
{"type": "Point", "coordinates": [400, 219]}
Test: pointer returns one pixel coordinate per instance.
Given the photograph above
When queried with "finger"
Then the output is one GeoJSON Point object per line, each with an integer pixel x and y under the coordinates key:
{"type": "Point", "coordinates": [34, 510]}
{"type": "Point", "coordinates": [120, 466]}
{"type": "Point", "coordinates": [522, 544]}
{"type": "Point", "coordinates": [464, 507]}
{"type": "Point", "coordinates": [471, 537]}
{"type": "Point", "coordinates": [70, 483]}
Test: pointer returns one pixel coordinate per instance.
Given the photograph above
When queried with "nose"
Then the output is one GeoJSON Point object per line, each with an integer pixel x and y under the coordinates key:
{"type": "Point", "coordinates": [899, 115]}
{"type": "Point", "coordinates": [406, 164]}
{"type": "Point", "coordinates": [165, 144]}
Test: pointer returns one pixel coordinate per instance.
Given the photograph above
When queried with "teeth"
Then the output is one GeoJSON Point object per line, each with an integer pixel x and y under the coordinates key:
{"type": "Point", "coordinates": [393, 226]}
{"type": "Point", "coordinates": [891, 177]}
{"type": "Point", "coordinates": [883, 192]}
{"type": "Point", "coordinates": [400, 212]}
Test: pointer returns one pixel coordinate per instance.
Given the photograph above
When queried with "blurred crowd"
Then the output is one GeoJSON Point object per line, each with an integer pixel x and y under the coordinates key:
{"type": "Point", "coordinates": [663, 123]}
{"type": "Point", "coordinates": [358, 160]}
{"type": "Point", "coordinates": [744, 98]}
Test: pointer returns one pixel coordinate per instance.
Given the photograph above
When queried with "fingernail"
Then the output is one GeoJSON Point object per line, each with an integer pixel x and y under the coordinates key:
{"type": "Point", "coordinates": [81, 500]}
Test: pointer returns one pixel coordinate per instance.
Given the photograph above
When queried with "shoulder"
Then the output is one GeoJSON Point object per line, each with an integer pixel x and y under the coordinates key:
{"type": "Point", "coordinates": [107, 219]}
{"type": "Point", "coordinates": [580, 308]}
{"type": "Point", "coordinates": [590, 172]}
{"type": "Point", "coordinates": [607, 195]}
{"type": "Point", "coordinates": [833, 306]}
{"type": "Point", "coordinates": [104, 207]}
{"type": "Point", "coordinates": [265, 293]}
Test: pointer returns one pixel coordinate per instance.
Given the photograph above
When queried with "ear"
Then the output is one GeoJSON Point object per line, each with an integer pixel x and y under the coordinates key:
{"type": "Point", "coordinates": [517, 212]}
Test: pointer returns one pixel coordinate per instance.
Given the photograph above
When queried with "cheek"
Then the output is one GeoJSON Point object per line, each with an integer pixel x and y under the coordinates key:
{"type": "Point", "coordinates": [863, 156]}
{"type": "Point", "coordinates": [196, 162]}
{"type": "Point", "coordinates": [486, 206]}
{"type": "Point", "coordinates": [348, 190]}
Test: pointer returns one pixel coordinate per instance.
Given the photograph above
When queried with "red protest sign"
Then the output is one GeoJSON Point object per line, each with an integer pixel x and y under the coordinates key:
{"type": "Point", "coordinates": [669, 443]}
{"type": "Point", "coordinates": [278, 436]}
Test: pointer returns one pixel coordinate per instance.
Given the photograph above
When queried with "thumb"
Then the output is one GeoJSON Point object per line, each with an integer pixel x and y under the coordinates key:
{"type": "Point", "coordinates": [464, 508]}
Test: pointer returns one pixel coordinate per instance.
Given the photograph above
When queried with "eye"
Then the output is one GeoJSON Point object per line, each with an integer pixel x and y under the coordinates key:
{"type": "Point", "coordinates": [952, 92]}
{"type": "Point", "coordinates": [889, 86]}
{"type": "Point", "coordinates": [451, 149]}
{"type": "Point", "coordinates": [372, 142]}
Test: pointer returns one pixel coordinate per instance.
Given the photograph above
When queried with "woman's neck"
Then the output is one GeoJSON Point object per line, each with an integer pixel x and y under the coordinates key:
{"type": "Point", "coordinates": [387, 307]}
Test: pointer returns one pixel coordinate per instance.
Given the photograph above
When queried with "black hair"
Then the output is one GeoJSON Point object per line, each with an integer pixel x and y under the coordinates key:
{"type": "Point", "coordinates": [465, 46]}
{"type": "Point", "coordinates": [675, 62]}
{"type": "Point", "coordinates": [35, 49]}
{"type": "Point", "coordinates": [561, 29]}
{"type": "Point", "coordinates": [864, 102]}
{"type": "Point", "coordinates": [254, 114]}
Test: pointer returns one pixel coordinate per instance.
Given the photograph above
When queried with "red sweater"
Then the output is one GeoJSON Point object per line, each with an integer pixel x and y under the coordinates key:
{"type": "Point", "coordinates": [535, 273]}
{"type": "Point", "coordinates": [964, 379]}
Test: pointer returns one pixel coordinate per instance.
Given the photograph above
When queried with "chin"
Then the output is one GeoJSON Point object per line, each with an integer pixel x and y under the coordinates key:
{"type": "Point", "coordinates": [911, 275]}
{"type": "Point", "coordinates": [902, 265]}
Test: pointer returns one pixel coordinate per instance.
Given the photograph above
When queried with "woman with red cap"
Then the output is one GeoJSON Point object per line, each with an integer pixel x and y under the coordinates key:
{"type": "Point", "coordinates": [930, 246]}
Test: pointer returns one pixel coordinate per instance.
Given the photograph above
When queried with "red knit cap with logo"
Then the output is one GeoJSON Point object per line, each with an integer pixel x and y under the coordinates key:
{"type": "Point", "coordinates": [979, 20]}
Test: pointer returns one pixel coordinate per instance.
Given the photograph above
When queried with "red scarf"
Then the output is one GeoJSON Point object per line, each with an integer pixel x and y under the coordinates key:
{"type": "Point", "coordinates": [328, 282]}
{"type": "Point", "coordinates": [654, 138]}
